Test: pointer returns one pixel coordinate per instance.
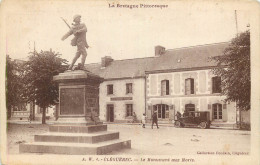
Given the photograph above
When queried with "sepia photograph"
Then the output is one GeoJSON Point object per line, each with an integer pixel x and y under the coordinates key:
{"type": "Point", "coordinates": [135, 82]}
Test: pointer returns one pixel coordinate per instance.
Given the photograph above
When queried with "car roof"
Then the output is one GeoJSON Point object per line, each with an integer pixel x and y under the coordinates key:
{"type": "Point", "coordinates": [199, 111]}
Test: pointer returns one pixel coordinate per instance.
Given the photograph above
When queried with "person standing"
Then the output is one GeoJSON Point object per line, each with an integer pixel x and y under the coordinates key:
{"type": "Point", "coordinates": [79, 30]}
{"type": "Point", "coordinates": [134, 117]}
{"type": "Point", "coordinates": [155, 120]}
{"type": "Point", "coordinates": [143, 120]}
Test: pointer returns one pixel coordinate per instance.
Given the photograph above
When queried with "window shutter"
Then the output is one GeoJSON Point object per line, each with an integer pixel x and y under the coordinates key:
{"type": "Point", "coordinates": [127, 109]}
{"type": "Point", "coordinates": [163, 87]}
{"type": "Point", "coordinates": [192, 86]}
{"type": "Point", "coordinates": [213, 85]}
{"type": "Point", "coordinates": [167, 87]}
{"type": "Point", "coordinates": [224, 113]}
{"type": "Point", "coordinates": [216, 84]}
{"type": "Point", "coordinates": [187, 86]}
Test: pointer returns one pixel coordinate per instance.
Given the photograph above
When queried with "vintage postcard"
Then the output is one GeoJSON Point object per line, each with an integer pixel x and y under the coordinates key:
{"type": "Point", "coordinates": [133, 82]}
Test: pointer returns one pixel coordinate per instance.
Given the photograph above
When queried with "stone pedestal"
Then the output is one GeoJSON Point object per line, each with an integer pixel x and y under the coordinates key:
{"type": "Point", "coordinates": [78, 97]}
{"type": "Point", "coordinates": [76, 140]}
{"type": "Point", "coordinates": [78, 105]}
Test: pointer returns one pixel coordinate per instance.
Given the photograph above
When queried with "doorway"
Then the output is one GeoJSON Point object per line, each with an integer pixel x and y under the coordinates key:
{"type": "Point", "coordinates": [110, 113]}
{"type": "Point", "coordinates": [217, 112]}
{"type": "Point", "coordinates": [162, 111]}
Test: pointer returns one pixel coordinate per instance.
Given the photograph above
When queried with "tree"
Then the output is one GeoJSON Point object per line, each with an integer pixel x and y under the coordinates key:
{"type": "Point", "coordinates": [234, 70]}
{"type": "Point", "coordinates": [13, 85]}
{"type": "Point", "coordinates": [38, 77]}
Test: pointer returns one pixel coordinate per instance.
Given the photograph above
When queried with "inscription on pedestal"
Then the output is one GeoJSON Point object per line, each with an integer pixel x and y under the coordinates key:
{"type": "Point", "coordinates": [79, 101]}
{"type": "Point", "coordinates": [72, 101]}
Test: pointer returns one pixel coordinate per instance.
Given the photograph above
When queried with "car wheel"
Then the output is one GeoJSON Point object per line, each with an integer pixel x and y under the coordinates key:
{"type": "Point", "coordinates": [177, 124]}
{"type": "Point", "coordinates": [203, 125]}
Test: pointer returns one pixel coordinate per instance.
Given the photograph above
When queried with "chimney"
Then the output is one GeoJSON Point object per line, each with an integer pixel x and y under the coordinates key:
{"type": "Point", "coordinates": [159, 50]}
{"type": "Point", "coordinates": [105, 61]}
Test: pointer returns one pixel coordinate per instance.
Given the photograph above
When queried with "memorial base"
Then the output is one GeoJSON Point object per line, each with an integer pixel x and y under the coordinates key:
{"type": "Point", "coordinates": [76, 140]}
{"type": "Point", "coordinates": [78, 97]}
{"type": "Point", "coordinates": [76, 121]}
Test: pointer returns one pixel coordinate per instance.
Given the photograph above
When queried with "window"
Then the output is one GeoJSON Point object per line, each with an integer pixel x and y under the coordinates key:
{"type": "Point", "coordinates": [129, 109]}
{"type": "Point", "coordinates": [217, 111]}
{"type": "Point", "coordinates": [165, 87]}
{"type": "Point", "coordinates": [129, 88]}
{"type": "Point", "coordinates": [189, 86]}
{"type": "Point", "coordinates": [216, 84]}
{"type": "Point", "coordinates": [162, 111]}
{"type": "Point", "coordinates": [20, 107]}
{"type": "Point", "coordinates": [109, 89]}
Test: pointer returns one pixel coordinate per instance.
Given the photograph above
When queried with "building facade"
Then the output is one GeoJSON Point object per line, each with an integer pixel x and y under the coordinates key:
{"type": "Point", "coordinates": [23, 111]}
{"type": "Point", "coordinates": [172, 80]}
{"type": "Point", "coordinates": [195, 90]}
{"type": "Point", "coordinates": [121, 99]}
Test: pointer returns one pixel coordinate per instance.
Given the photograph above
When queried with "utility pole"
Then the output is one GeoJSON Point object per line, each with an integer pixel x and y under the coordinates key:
{"type": "Point", "coordinates": [33, 114]}
{"type": "Point", "coordinates": [239, 109]}
{"type": "Point", "coordinates": [33, 47]}
{"type": "Point", "coordinates": [236, 22]}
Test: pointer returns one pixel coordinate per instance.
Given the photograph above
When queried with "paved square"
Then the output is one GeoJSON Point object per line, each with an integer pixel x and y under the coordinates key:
{"type": "Point", "coordinates": [147, 141]}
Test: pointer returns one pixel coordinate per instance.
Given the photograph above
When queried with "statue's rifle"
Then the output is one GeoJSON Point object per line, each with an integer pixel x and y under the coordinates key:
{"type": "Point", "coordinates": [65, 22]}
{"type": "Point", "coordinates": [67, 34]}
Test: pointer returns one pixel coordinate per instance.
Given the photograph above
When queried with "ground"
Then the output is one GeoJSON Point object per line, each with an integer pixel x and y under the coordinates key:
{"type": "Point", "coordinates": [146, 141]}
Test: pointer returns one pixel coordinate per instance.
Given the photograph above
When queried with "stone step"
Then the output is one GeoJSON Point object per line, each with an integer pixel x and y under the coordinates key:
{"type": "Point", "coordinates": [223, 124]}
{"type": "Point", "coordinates": [74, 148]}
{"type": "Point", "coordinates": [77, 137]}
{"type": "Point", "coordinates": [77, 128]}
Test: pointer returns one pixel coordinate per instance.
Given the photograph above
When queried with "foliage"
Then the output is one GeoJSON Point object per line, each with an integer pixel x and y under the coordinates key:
{"type": "Point", "coordinates": [13, 84]}
{"type": "Point", "coordinates": [234, 70]}
{"type": "Point", "coordinates": [38, 78]}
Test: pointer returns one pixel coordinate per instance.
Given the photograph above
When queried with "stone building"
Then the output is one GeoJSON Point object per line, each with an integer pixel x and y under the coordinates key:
{"type": "Point", "coordinates": [170, 81]}
{"type": "Point", "coordinates": [123, 92]}
{"type": "Point", "coordinates": [23, 111]}
{"type": "Point", "coordinates": [182, 79]}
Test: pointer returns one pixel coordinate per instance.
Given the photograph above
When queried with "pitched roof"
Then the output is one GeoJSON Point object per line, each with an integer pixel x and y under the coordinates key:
{"type": "Point", "coordinates": [129, 68]}
{"type": "Point", "coordinates": [189, 57]}
{"type": "Point", "coordinates": [181, 58]}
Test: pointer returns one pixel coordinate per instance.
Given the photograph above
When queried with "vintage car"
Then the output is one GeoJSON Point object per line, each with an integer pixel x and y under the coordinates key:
{"type": "Point", "coordinates": [198, 118]}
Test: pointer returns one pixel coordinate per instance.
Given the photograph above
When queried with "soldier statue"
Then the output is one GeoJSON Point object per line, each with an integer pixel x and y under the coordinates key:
{"type": "Point", "coordinates": [79, 31]}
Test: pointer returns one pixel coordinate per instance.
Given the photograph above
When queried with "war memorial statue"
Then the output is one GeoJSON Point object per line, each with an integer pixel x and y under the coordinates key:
{"type": "Point", "coordinates": [79, 31]}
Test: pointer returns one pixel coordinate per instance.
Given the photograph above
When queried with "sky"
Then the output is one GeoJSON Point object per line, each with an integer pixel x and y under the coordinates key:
{"type": "Point", "coordinates": [121, 33]}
